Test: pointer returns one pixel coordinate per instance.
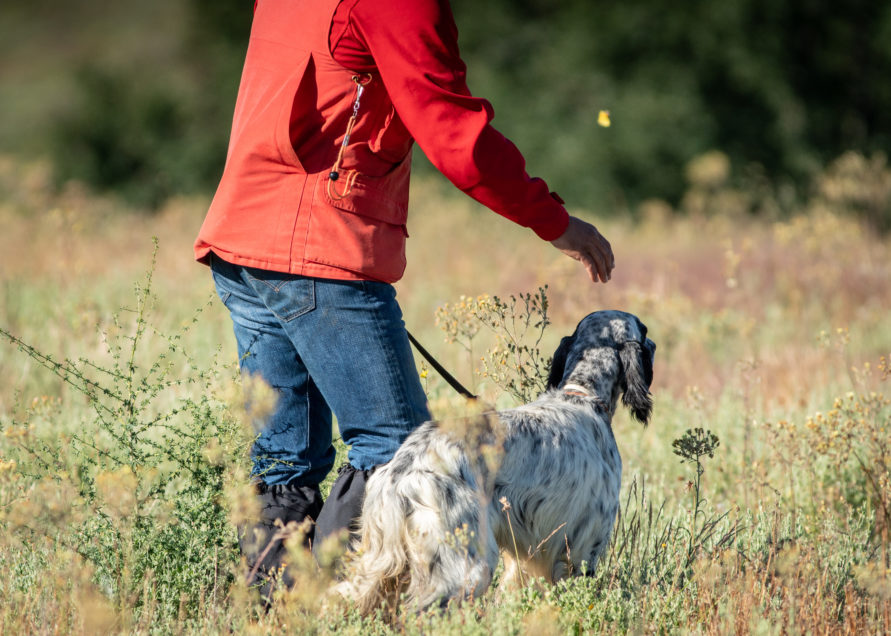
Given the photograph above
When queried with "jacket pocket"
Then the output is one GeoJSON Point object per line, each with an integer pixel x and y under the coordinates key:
{"type": "Point", "coordinates": [364, 231]}
{"type": "Point", "coordinates": [381, 198]}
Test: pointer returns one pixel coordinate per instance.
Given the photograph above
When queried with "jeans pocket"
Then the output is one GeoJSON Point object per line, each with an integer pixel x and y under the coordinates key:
{"type": "Point", "coordinates": [286, 295]}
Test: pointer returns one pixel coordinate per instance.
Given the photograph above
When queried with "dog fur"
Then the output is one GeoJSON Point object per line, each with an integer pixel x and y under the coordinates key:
{"type": "Point", "coordinates": [436, 517]}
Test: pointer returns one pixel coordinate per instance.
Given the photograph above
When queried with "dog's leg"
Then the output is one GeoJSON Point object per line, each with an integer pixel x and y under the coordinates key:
{"type": "Point", "coordinates": [452, 555]}
{"type": "Point", "coordinates": [454, 573]}
{"type": "Point", "coordinates": [511, 576]}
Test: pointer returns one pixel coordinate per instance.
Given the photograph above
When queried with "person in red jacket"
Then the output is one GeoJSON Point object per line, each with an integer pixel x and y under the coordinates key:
{"type": "Point", "coordinates": [306, 231]}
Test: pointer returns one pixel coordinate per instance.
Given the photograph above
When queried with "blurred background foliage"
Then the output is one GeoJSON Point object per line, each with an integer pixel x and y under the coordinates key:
{"type": "Point", "coordinates": [137, 97]}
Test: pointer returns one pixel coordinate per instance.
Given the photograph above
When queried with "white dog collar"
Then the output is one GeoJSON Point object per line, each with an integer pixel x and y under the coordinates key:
{"type": "Point", "coordinates": [576, 389]}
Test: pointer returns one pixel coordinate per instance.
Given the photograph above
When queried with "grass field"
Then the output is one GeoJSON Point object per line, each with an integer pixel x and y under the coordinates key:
{"type": "Point", "coordinates": [122, 455]}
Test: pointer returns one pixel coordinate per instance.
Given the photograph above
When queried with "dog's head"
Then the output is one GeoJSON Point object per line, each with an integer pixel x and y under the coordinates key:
{"type": "Point", "coordinates": [605, 342]}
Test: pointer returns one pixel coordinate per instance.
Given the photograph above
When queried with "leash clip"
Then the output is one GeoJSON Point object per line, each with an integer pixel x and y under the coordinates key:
{"type": "Point", "coordinates": [361, 80]}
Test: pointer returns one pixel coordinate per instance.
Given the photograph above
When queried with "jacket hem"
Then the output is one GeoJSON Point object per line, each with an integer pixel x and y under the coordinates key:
{"type": "Point", "coordinates": [305, 268]}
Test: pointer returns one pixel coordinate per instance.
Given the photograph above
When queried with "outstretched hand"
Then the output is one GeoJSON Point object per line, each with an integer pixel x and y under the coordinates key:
{"type": "Point", "coordinates": [584, 243]}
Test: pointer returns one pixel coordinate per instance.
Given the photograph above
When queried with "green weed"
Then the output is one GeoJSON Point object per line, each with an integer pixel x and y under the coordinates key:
{"type": "Point", "coordinates": [135, 486]}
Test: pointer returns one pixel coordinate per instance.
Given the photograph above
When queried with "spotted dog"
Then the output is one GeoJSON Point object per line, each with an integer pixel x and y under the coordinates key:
{"type": "Point", "coordinates": [437, 516]}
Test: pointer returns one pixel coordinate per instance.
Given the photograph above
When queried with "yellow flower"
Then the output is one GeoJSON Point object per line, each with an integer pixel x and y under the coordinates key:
{"type": "Point", "coordinates": [603, 118]}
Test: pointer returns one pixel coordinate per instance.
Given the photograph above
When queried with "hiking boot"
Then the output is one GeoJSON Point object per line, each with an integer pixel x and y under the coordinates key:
{"type": "Point", "coordinates": [261, 543]}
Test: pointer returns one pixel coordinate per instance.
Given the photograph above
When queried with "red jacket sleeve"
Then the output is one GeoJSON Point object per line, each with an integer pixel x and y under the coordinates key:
{"type": "Point", "coordinates": [414, 44]}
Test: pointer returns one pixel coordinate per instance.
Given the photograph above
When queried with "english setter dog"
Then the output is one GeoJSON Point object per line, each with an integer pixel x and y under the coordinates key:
{"type": "Point", "coordinates": [437, 515]}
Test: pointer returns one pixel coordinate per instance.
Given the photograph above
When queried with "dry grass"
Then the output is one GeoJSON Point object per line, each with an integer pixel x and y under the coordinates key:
{"type": "Point", "coordinates": [762, 325]}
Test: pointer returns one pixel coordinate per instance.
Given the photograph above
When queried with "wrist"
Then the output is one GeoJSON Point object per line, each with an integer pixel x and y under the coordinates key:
{"type": "Point", "coordinates": [556, 227]}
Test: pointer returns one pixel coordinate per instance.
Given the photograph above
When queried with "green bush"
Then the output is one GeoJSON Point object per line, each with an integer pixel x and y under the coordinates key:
{"type": "Point", "coordinates": [137, 487]}
{"type": "Point", "coordinates": [781, 87]}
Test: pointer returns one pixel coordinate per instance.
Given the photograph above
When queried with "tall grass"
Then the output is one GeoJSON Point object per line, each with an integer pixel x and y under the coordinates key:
{"type": "Point", "coordinates": [122, 454]}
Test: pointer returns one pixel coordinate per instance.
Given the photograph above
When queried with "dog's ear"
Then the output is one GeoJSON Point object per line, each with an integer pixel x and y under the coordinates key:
{"type": "Point", "coordinates": [637, 365]}
{"type": "Point", "coordinates": [558, 364]}
{"type": "Point", "coordinates": [643, 330]}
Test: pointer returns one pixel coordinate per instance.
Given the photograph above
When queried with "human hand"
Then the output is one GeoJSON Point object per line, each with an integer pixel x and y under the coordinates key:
{"type": "Point", "coordinates": [584, 243]}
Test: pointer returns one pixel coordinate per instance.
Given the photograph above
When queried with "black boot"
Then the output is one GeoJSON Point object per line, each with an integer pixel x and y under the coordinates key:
{"type": "Point", "coordinates": [263, 551]}
{"type": "Point", "coordinates": [342, 508]}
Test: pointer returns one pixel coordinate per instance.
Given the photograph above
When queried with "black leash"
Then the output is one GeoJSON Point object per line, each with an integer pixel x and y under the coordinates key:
{"type": "Point", "coordinates": [448, 377]}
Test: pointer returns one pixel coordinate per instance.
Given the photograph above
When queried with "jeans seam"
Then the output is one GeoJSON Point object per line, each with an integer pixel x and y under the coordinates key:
{"type": "Point", "coordinates": [392, 360]}
{"type": "Point", "coordinates": [307, 432]}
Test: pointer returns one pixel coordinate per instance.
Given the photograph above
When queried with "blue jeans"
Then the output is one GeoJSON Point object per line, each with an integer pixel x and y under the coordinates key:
{"type": "Point", "coordinates": [323, 345]}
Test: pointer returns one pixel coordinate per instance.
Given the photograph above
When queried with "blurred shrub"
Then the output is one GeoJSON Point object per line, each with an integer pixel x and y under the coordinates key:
{"type": "Point", "coordinates": [846, 452]}
{"type": "Point", "coordinates": [125, 136]}
{"type": "Point", "coordinates": [784, 85]}
{"type": "Point", "coordinates": [150, 135]}
{"type": "Point", "coordinates": [861, 186]}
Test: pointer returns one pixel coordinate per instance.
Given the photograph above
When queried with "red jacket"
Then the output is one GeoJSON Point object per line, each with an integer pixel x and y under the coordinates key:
{"type": "Point", "coordinates": [272, 209]}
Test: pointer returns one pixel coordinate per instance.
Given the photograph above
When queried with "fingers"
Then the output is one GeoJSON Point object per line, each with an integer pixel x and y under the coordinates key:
{"type": "Point", "coordinates": [597, 256]}
{"type": "Point", "coordinates": [596, 268]}
{"type": "Point", "coordinates": [606, 261]}
{"type": "Point", "coordinates": [594, 272]}
{"type": "Point", "coordinates": [603, 256]}
{"type": "Point", "coordinates": [583, 242]}
{"type": "Point", "coordinates": [600, 269]}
